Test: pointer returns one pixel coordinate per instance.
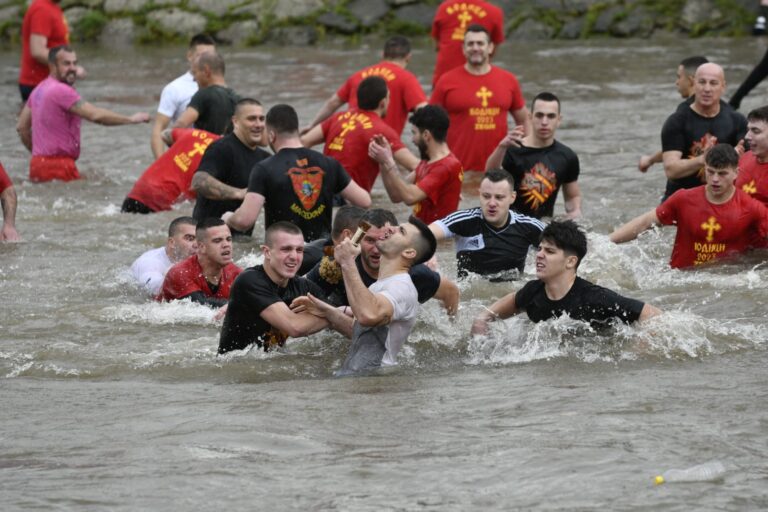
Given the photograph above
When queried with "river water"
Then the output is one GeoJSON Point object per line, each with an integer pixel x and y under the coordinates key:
{"type": "Point", "coordinates": [113, 402]}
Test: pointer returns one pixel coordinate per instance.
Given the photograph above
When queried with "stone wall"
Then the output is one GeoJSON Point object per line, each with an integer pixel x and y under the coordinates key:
{"type": "Point", "coordinates": [304, 22]}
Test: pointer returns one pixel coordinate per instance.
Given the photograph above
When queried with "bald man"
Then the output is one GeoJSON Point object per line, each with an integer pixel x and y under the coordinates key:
{"type": "Point", "coordinates": [690, 132]}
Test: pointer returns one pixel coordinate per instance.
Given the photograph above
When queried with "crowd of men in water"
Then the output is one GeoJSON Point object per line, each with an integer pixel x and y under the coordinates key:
{"type": "Point", "coordinates": [360, 272]}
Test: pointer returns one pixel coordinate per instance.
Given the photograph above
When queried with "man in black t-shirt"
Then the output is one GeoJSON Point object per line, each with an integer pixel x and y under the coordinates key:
{"type": "Point", "coordinates": [259, 302]}
{"type": "Point", "coordinates": [212, 106]}
{"type": "Point", "coordinates": [558, 290]}
{"type": "Point", "coordinates": [690, 132]}
{"type": "Point", "coordinates": [491, 240]}
{"type": "Point", "coordinates": [327, 274]}
{"type": "Point", "coordinates": [222, 176]}
{"type": "Point", "coordinates": [539, 164]}
{"type": "Point", "coordinates": [296, 184]}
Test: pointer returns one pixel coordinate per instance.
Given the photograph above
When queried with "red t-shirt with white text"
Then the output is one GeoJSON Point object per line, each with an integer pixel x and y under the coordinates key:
{"type": "Point", "coordinates": [441, 181]}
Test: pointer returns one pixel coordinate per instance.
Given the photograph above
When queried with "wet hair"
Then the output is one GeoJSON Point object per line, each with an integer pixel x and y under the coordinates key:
{"type": "Point", "coordinates": [347, 217]}
{"type": "Point", "coordinates": [691, 64]}
{"type": "Point", "coordinates": [425, 244]}
{"type": "Point", "coordinates": [758, 114]}
{"type": "Point", "coordinates": [206, 223]}
{"type": "Point", "coordinates": [722, 156]}
{"type": "Point", "coordinates": [377, 217]}
{"type": "Point", "coordinates": [201, 40]}
{"type": "Point", "coordinates": [545, 96]}
{"type": "Point", "coordinates": [475, 27]}
{"type": "Point", "coordinates": [242, 102]}
{"type": "Point", "coordinates": [568, 236]}
{"type": "Point", "coordinates": [53, 52]}
{"type": "Point", "coordinates": [497, 175]}
{"type": "Point", "coordinates": [397, 47]}
{"type": "Point", "coordinates": [173, 227]}
{"type": "Point", "coordinates": [214, 61]}
{"type": "Point", "coordinates": [433, 118]}
{"type": "Point", "coordinates": [283, 226]}
{"type": "Point", "coordinates": [283, 119]}
{"type": "Point", "coordinates": [370, 92]}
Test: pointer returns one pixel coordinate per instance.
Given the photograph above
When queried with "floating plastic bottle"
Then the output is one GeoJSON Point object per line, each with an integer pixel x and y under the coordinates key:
{"type": "Point", "coordinates": [707, 472]}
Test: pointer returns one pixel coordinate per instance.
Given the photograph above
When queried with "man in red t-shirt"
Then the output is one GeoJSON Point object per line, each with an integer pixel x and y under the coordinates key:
{"type": "Point", "coordinates": [435, 186]}
{"type": "Point", "coordinates": [207, 276]}
{"type": "Point", "coordinates": [8, 201]}
{"type": "Point", "coordinates": [406, 94]}
{"type": "Point", "coordinates": [348, 134]}
{"type": "Point", "coordinates": [477, 97]}
{"type": "Point", "coordinates": [170, 176]}
{"type": "Point", "coordinates": [450, 24]}
{"type": "Point", "coordinates": [44, 27]}
{"type": "Point", "coordinates": [753, 165]}
{"type": "Point", "coordinates": [713, 221]}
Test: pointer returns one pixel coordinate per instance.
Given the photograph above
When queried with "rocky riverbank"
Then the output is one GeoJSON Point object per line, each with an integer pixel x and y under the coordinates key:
{"type": "Point", "coordinates": [304, 22]}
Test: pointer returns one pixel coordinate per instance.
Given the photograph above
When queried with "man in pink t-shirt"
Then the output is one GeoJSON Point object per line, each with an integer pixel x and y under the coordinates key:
{"type": "Point", "coordinates": [49, 124]}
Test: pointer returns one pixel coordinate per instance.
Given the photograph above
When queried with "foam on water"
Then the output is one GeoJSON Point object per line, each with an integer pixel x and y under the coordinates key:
{"type": "Point", "coordinates": [161, 313]}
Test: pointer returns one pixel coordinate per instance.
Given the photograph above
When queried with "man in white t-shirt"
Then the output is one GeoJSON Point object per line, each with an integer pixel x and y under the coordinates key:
{"type": "Point", "coordinates": [385, 313]}
{"type": "Point", "coordinates": [176, 95]}
{"type": "Point", "coordinates": [150, 268]}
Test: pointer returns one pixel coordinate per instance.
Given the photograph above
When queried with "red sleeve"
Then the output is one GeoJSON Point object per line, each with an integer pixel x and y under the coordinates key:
{"type": "Point", "coordinates": [667, 211]}
{"type": "Point", "coordinates": [438, 93]}
{"type": "Point", "coordinates": [326, 125]}
{"type": "Point", "coordinates": [433, 182]}
{"type": "Point", "coordinates": [345, 90]}
{"type": "Point", "coordinates": [497, 34]}
{"type": "Point", "coordinates": [436, 24]}
{"type": "Point", "coordinates": [43, 22]}
{"type": "Point", "coordinates": [413, 94]}
{"type": "Point", "coordinates": [5, 181]}
{"type": "Point", "coordinates": [392, 137]}
{"type": "Point", "coordinates": [518, 101]}
{"type": "Point", "coordinates": [179, 283]}
{"type": "Point", "coordinates": [761, 213]}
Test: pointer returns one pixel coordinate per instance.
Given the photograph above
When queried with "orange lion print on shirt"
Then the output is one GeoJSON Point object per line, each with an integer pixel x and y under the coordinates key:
{"type": "Point", "coordinates": [699, 147]}
{"type": "Point", "coordinates": [538, 185]}
{"type": "Point", "coordinates": [307, 183]}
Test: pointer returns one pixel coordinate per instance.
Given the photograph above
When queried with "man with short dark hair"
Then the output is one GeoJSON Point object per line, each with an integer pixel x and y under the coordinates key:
{"type": "Point", "coordinates": [478, 97]}
{"type": "Point", "coordinates": [690, 132]}
{"type": "Point", "coordinates": [434, 186]}
{"type": "Point", "coordinates": [713, 221]}
{"type": "Point", "coordinates": [686, 71]}
{"type": "Point", "coordinates": [492, 240]}
{"type": "Point", "coordinates": [296, 184]}
{"type": "Point", "coordinates": [213, 105]}
{"type": "Point", "coordinates": [150, 268]}
{"type": "Point", "coordinates": [205, 277]}
{"type": "Point", "coordinates": [175, 96]}
{"type": "Point", "coordinates": [753, 165]}
{"type": "Point", "coordinates": [259, 311]}
{"type": "Point", "coordinates": [406, 94]}
{"type": "Point", "coordinates": [221, 179]}
{"type": "Point", "coordinates": [49, 124]}
{"type": "Point", "coordinates": [539, 163]}
{"type": "Point", "coordinates": [558, 290]}
{"type": "Point", "coordinates": [385, 312]}
{"type": "Point", "coordinates": [347, 134]}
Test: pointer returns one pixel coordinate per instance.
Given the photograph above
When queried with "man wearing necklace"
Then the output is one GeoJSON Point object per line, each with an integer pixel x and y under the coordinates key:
{"type": "Point", "coordinates": [689, 133]}
{"type": "Point", "coordinates": [207, 276]}
{"type": "Point", "coordinates": [558, 290]}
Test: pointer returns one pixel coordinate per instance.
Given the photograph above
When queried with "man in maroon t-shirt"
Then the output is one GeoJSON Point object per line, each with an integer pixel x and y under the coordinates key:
{"type": "Point", "coordinates": [348, 134]}
{"type": "Point", "coordinates": [435, 186]}
{"type": "Point", "coordinates": [205, 277]}
{"type": "Point", "coordinates": [406, 94]}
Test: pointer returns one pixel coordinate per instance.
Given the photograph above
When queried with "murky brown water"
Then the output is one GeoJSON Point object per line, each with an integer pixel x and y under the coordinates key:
{"type": "Point", "coordinates": [111, 402]}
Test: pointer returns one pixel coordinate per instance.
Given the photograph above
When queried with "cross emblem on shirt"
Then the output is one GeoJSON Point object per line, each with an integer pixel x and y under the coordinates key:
{"type": "Point", "coordinates": [484, 94]}
{"type": "Point", "coordinates": [710, 227]}
{"type": "Point", "coordinates": [464, 18]}
{"type": "Point", "coordinates": [749, 188]}
{"type": "Point", "coordinates": [347, 127]}
{"type": "Point", "coordinates": [199, 148]}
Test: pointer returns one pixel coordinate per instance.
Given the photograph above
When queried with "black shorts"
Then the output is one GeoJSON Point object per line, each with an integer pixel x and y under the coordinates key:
{"type": "Point", "coordinates": [133, 206]}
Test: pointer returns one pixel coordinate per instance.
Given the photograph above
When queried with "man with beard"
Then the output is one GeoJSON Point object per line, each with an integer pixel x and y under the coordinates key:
{"type": "Point", "coordinates": [690, 132]}
{"type": "Point", "coordinates": [49, 124]}
{"type": "Point", "coordinates": [348, 134]}
{"type": "Point", "coordinates": [434, 187]}
{"type": "Point", "coordinates": [259, 310]}
{"type": "Point", "coordinates": [205, 277]}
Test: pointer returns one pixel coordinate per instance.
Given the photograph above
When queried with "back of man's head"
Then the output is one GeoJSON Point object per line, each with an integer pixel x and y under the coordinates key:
{"type": "Point", "coordinates": [566, 235]}
{"type": "Point", "coordinates": [759, 114]}
{"type": "Point", "coordinates": [722, 156]}
{"type": "Point", "coordinates": [397, 47]}
{"type": "Point", "coordinates": [203, 225]}
{"type": "Point", "coordinates": [370, 92]}
{"type": "Point", "coordinates": [347, 217]}
{"type": "Point", "coordinates": [378, 217]}
{"type": "Point", "coordinates": [433, 118]}
{"type": "Point", "coordinates": [691, 64]}
{"type": "Point", "coordinates": [281, 226]}
{"type": "Point", "coordinates": [282, 119]}
{"type": "Point", "coordinates": [175, 225]}
{"type": "Point", "coordinates": [214, 61]}
{"type": "Point", "coordinates": [424, 243]}
{"type": "Point", "coordinates": [201, 39]}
